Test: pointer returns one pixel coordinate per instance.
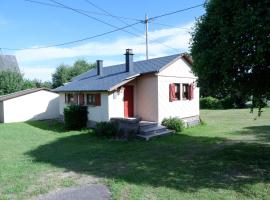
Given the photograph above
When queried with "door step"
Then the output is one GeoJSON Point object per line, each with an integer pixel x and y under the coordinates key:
{"type": "Point", "coordinates": [148, 130]}
{"type": "Point", "coordinates": [158, 134]}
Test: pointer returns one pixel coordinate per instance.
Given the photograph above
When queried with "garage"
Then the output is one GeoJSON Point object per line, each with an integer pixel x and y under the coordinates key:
{"type": "Point", "coordinates": [30, 104]}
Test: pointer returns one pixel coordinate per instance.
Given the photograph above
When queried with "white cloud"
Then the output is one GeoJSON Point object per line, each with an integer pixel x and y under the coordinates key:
{"type": "Point", "coordinates": [174, 37]}
{"type": "Point", "coordinates": [110, 52]}
{"type": "Point", "coordinates": [40, 73]}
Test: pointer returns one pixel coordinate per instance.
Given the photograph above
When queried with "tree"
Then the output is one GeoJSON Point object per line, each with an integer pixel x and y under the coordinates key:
{"type": "Point", "coordinates": [65, 73]}
{"type": "Point", "coordinates": [10, 81]}
{"type": "Point", "coordinates": [230, 48]}
{"type": "Point", "coordinates": [36, 84]}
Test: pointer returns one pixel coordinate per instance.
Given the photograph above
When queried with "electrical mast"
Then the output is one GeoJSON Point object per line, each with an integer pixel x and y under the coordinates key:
{"type": "Point", "coordinates": [146, 36]}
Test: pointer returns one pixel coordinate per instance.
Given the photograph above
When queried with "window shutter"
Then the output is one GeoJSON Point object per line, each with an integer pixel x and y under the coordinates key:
{"type": "Point", "coordinates": [65, 98]}
{"type": "Point", "coordinates": [98, 99]}
{"type": "Point", "coordinates": [172, 96]}
{"type": "Point", "coordinates": [190, 92]}
{"type": "Point", "coordinates": [81, 99]}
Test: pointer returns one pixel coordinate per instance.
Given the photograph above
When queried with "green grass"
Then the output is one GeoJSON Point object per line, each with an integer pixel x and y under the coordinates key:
{"type": "Point", "coordinates": [228, 158]}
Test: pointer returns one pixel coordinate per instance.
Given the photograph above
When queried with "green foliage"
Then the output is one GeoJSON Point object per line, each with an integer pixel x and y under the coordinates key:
{"type": "Point", "coordinates": [36, 84]}
{"type": "Point", "coordinates": [75, 117]}
{"type": "Point", "coordinates": [10, 81]}
{"type": "Point", "coordinates": [107, 129]}
{"type": "Point", "coordinates": [173, 123]}
{"type": "Point", "coordinates": [64, 73]}
{"type": "Point", "coordinates": [210, 103]}
{"type": "Point", "coordinates": [230, 47]}
{"type": "Point", "coordinates": [227, 102]}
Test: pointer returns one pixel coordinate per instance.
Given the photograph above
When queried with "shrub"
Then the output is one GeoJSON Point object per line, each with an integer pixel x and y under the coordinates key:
{"type": "Point", "coordinates": [107, 129]}
{"type": "Point", "coordinates": [227, 102]}
{"type": "Point", "coordinates": [75, 117]}
{"type": "Point", "coordinates": [210, 103]}
{"type": "Point", "coordinates": [173, 123]}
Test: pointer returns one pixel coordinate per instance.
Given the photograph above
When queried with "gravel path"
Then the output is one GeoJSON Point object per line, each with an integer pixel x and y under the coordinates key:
{"type": "Point", "coordinates": [89, 192]}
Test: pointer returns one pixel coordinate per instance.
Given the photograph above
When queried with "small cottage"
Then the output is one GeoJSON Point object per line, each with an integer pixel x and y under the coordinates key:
{"type": "Point", "coordinates": [150, 90]}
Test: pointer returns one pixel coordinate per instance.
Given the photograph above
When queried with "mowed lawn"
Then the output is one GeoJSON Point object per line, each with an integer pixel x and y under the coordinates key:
{"type": "Point", "coordinates": [228, 158]}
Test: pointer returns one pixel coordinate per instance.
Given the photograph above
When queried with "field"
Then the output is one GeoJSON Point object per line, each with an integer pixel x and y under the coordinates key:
{"type": "Point", "coordinates": [227, 158]}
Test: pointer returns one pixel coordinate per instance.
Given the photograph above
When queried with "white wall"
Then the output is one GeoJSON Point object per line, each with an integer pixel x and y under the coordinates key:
{"type": "Point", "coordinates": [95, 113]}
{"type": "Point", "coordinates": [178, 72]}
{"type": "Point", "coordinates": [116, 103]}
{"type": "Point", "coordinates": [34, 106]}
{"type": "Point", "coordinates": [147, 97]}
{"type": "Point", "coordinates": [99, 113]}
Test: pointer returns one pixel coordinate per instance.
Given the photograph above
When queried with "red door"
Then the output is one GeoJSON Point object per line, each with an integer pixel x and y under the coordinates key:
{"type": "Point", "coordinates": [128, 101]}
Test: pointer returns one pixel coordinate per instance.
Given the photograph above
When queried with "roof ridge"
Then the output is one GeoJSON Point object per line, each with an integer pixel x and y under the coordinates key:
{"type": "Point", "coordinates": [21, 93]}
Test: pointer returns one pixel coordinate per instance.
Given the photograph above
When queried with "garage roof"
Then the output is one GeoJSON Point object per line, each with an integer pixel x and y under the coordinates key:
{"type": "Point", "coordinates": [21, 93]}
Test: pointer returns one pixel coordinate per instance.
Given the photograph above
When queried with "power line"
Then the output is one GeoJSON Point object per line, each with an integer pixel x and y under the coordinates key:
{"type": "Point", "coordinates": [91, 17]}
{"type": "Point", "coordinates": [98, 35]}
{"type": "Point", "coordinates": [74, 41]}
{"type": "Point", "coordinates": [171, 26]}
{"type": "Point", "coordinates": [145, 21]}
{"type": "Point", "coordinates": [87, 11]}
{"type": "Point", "coordinates": [178, 11]}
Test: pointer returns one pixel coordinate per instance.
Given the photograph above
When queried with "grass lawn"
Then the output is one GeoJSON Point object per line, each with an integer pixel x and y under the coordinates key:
{"type": "Point", "coordinates": [228, 158]}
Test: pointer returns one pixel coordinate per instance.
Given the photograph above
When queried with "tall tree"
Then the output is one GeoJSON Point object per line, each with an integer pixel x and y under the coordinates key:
{"type": "Point", "coordinates": [65, 73]}
{"type": "Point", "coordinates": [10, 81]}
{"type": "Point", "coordinates": [230, 48]}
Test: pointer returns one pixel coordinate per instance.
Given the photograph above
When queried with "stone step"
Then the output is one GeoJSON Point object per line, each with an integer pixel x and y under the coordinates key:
{"type": "Point", "coordinates": [147, 124]}
{"type": "Point", "coordinates": [163, 133]}
{"type": "Point", "coordinates": [152, 129]}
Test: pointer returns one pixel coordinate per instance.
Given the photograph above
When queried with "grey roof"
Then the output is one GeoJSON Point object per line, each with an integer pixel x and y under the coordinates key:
{"type": "Point", "coordinates": [9, 62]}
{"type": "Point", "coordinates": [21, 93]}
{"type": "Point", "coordinates": [115, 75]}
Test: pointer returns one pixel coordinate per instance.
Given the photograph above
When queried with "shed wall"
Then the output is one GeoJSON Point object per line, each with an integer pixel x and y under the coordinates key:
{"type": "Point", "coordinates": [39, 105]}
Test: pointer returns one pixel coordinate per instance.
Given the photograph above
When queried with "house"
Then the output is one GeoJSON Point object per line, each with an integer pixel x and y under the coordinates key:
{"type": "Point", "coordinates": [30, 104]}
{"type": "Point", "coordinates": [9, 62]}
{"type": "Point", "coordinates": [151, 89]}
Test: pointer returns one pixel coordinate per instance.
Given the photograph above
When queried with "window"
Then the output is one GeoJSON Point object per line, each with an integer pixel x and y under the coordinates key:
{"type": "Point", "coordinates": [177, 91]}
{"type": "Point", "coordinates": [185, 93]}
{"type": "Point", "coordinates": [174, 92]}
{"type": "Point", "coordinates": [69, 98]}
{"type": "Point", "coordinates": [93, 99]}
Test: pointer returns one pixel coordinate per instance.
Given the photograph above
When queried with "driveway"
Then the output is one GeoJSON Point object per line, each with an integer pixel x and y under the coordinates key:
{"type": "Point", "coordinates": [89, 192]}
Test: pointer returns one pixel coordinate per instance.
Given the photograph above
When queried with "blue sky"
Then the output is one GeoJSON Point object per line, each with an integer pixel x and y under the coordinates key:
{"type": "Point", "coordinates": [24, 24]}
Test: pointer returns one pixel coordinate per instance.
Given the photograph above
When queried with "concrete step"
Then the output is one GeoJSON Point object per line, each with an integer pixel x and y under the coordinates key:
{"type": "Point", "coordinates": [148, 130]}
{"type": "Point", "coordinates": [147, 124]}
{"type": "Point", "coordinates": [193, 123]}
{"type": "Point", "coordinates": [162, 133]}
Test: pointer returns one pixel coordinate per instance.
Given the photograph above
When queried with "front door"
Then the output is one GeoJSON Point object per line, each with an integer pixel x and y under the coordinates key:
{"type": "Point", "coordinates": [129, 101]}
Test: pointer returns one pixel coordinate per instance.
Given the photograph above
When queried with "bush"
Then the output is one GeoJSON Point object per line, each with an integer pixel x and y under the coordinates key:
{"type": "Point", "coordinates": [227, 102]}
{"type": "Point", "coordinates": [210, 103]}
{"type": "Point", "coordinates": [107, 129]}
{"type": "Point", "coordinates": [173, 123]}
{"type": "Point", "coordinates": [75, 117]}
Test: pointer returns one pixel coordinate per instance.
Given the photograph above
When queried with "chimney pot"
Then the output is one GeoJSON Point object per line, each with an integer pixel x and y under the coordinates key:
{"type": "Point", "coordinates": [129, 60]}
{"type": "Point", "coordinates": [100, 67]}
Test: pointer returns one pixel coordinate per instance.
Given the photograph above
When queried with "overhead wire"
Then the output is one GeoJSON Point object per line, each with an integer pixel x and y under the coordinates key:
{"type": "Point", "coordinates": [83, 12]}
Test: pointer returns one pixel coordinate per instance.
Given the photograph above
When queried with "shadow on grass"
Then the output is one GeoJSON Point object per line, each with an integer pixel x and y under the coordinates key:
{"type": "Point", "coordinates": [262, 133]}
{"type": "Point", "coordinates": [48, 125]}
{"type": "Point", "coordinates": [181, 162]}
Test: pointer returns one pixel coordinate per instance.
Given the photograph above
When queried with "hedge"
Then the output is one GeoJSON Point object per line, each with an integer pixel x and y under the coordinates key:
{"type": "Point", "coordinates": [75, 117]}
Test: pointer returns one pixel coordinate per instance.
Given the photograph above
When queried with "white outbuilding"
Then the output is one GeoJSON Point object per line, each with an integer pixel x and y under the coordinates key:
{"type": "Point", "coordinates": [30, 104]}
